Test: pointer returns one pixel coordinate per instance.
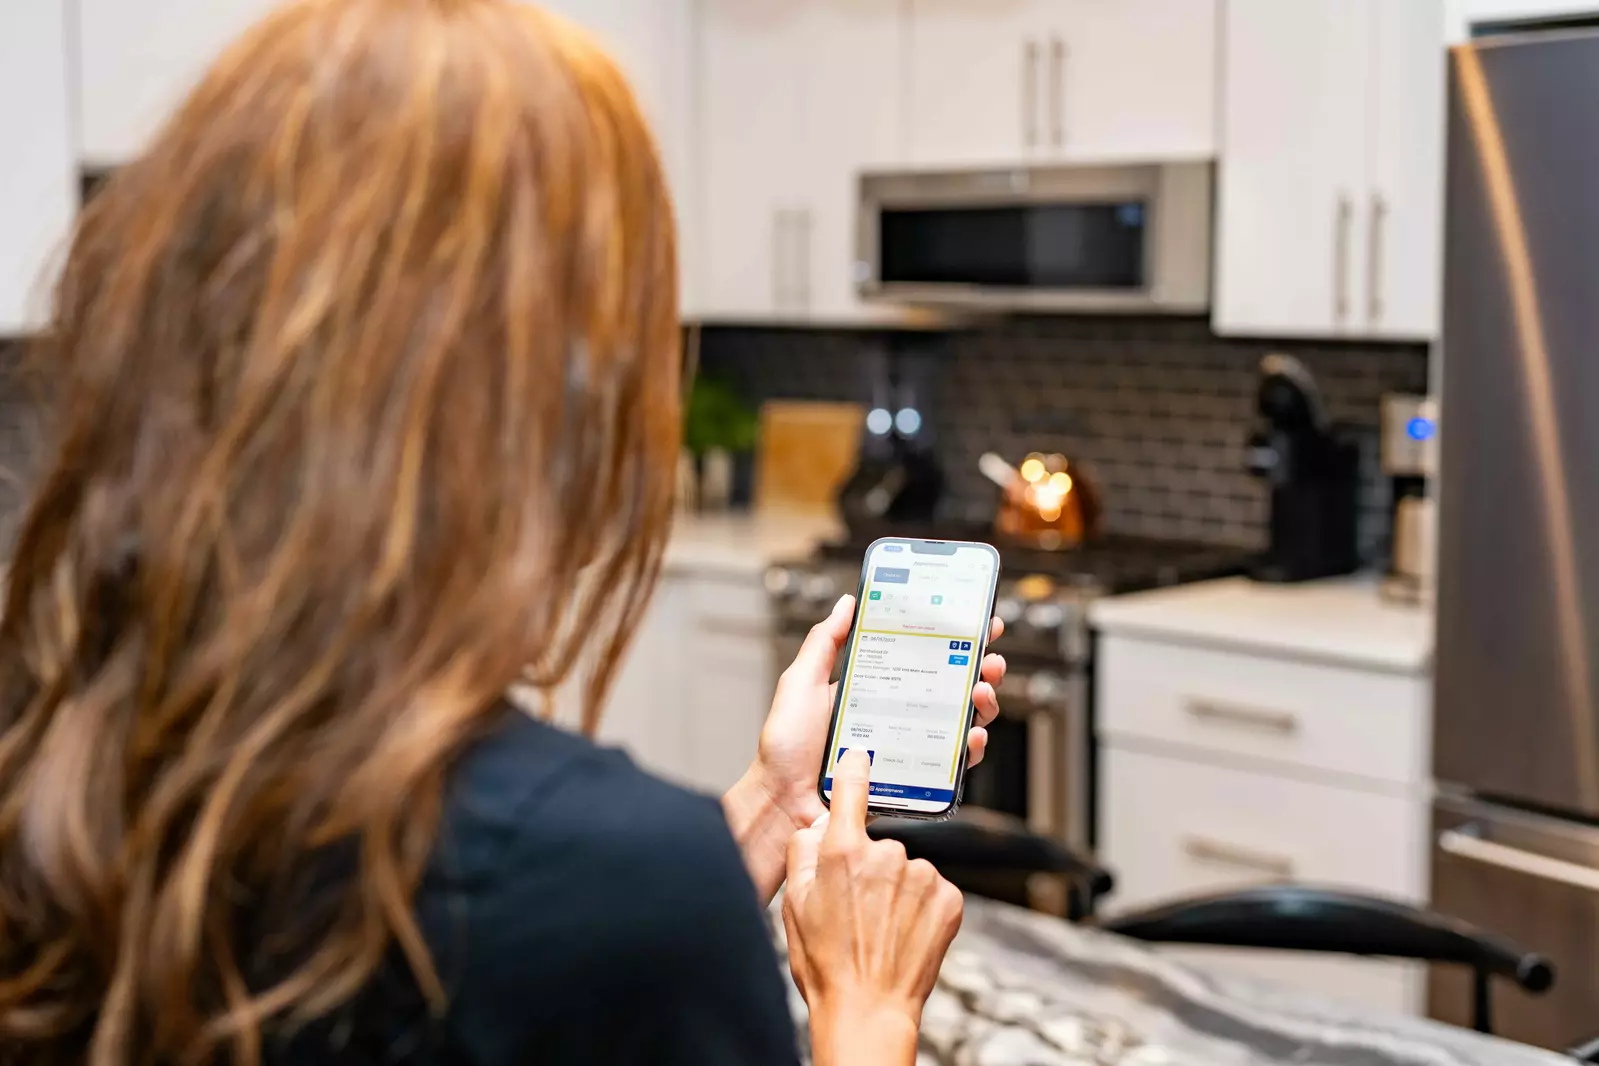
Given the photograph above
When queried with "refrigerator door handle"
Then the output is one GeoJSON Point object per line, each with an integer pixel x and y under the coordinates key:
{"type": "Point", "coordinates": [1467, 845]}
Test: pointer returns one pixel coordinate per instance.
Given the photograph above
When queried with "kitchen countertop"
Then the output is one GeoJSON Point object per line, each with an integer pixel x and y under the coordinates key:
{"type": "Point", "coordinates": [1343, 621]}
{"type": "Point", "coordinates": [1027, 989]}
{"type": "Point", "coordinates": [742, 544]}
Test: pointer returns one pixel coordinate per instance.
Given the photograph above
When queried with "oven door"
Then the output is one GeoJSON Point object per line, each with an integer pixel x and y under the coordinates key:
{"type": "Point", "coordinates": [1534, 880]}
{"type": "Point", "coordinates": [1114, 238]}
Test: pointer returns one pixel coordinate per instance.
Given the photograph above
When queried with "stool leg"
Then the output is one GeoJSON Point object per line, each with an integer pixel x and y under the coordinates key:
{"type": "Point", "coordinates": [1481, 1008]}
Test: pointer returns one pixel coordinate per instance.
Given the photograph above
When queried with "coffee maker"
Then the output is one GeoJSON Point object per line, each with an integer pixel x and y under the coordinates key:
{"type": "Point", "coordinates": [1410, 460]}
{"type": "Point", "coordinates": [1313, 471]}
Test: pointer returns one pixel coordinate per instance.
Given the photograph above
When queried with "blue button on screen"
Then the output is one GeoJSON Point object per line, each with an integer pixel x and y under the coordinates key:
{"type": "Point", "coordinates": [954, 645]}
{"type": "Point", "coordinates": [959, 660]}
{"type": "Point", "coordinates": [966, 645]}
{"type": "Point", "coordinates": [892, 575]}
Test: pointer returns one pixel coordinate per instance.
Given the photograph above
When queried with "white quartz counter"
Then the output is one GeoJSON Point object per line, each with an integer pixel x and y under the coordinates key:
{"type": "Point", "coordinates": [1342, 621]}
{"type": "Point", "coordinates": [743, 544]}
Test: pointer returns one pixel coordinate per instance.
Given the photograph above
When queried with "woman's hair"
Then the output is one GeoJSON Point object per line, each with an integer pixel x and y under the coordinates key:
{"type": "Point", "coordinates": [368, 393]}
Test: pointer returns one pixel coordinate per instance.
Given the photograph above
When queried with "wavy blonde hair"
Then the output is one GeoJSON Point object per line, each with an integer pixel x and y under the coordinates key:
{"type": "Point", "coordinates": [368, 384]}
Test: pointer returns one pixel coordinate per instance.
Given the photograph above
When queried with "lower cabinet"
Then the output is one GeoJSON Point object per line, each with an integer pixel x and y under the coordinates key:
{"type": "Point", "coordinates": [1174, 828]}
{"type": "Point", "coordinates": [1222, 769]}
{"type": "Point", "coordinates": [695, 685]}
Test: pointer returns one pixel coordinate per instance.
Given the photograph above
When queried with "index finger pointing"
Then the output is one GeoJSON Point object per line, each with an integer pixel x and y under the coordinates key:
{"type": "Point", "coordinates": [851, 791]}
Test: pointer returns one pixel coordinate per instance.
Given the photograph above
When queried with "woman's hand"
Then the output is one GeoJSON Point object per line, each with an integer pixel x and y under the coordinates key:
{"type": "Point", "coordinates": [777, 795]}
{"type": "Point", "coordinates": [867, 930]}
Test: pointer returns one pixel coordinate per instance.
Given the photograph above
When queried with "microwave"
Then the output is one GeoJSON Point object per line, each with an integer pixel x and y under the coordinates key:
{"type": "Point", "coordinates": [1133, 238]}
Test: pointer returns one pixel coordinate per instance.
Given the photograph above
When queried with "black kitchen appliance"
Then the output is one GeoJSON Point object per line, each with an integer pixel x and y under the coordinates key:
{"type": "Point", "coordinates": [1314, 474]}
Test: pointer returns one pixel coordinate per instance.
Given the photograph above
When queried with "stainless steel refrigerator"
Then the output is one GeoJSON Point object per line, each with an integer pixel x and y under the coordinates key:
{"type": "Point", "coordinates": [1516, 722]}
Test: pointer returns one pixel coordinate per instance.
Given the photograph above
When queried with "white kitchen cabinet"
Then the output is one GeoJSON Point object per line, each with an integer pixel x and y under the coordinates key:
{"type": "Point", "coordinates": [1330, 202]}
{"type": "Point", "coordinates": [38, 179]}
{"type": "Point", "coordinates": [694, 687]}
{"type": "Point", "coordinates": [1405, 197]}
{"type": "Point", "coordinates": [750, 81]}
{"type": "Point", "coordinates": [136, 61]}
{"type": "Point", "coordinates": [1002, 82]}
{"type": "Point", "coordinates": [651, 41]}
{"type": "Point", "coordinates": [794, 100]}
{"type": "Point", "coordinates": [1253, 734]}
{"type": "Point", "coordinates": [1175, 827]}
{"type": "Point", "coordinates": [974, 72]}
{"type": "Point", "coordinates": [645, 707]}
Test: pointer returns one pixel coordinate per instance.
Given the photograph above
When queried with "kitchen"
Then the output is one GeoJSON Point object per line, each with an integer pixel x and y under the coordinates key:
{"type": "Point", "coordinates": [1205, 737]}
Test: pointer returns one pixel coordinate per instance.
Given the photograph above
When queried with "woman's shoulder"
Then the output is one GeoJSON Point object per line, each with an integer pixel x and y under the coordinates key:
{"type": "Point", "coordinates": [551, 808]}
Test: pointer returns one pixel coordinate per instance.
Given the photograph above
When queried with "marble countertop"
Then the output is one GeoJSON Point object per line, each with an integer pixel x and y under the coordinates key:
{"type": "Point", "coordinates": [742, 544]}
{"type": "Point", "coordinates": [1026, 989]}
{"type": "Point", "coordinates": [1343, 621]}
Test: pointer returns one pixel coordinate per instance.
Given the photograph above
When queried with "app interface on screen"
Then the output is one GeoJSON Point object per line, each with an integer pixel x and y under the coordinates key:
{"type": "Point", "coordinates": [912, 662]}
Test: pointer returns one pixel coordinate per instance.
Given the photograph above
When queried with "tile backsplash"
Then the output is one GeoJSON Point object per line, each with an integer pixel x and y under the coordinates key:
{"type": "Point", "coordinates": [1158, 407]}
{"type": "Point", "coordinates": [19, 434]}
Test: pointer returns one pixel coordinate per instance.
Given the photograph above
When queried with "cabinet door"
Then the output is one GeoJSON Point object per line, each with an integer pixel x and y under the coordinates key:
{"type": "Point", "coordinates": [651, 40]}
{"type": "Point", "coordinates": [976, 80]}
{"type": "Point", "coordinates": [1175, 829]}
{"type": "Point", "coordinates": [752, 65]}
{"type": "Point", "coordinates": [1131, 78]}
{"type": "Point", "coordinates": [38, 186]}
{"type": "Point", "coordinates": [852, 121]}
{"type": "Point", "coordinates": [136, 61]}
{"type": "Point", "coordinates": [1293, 171]}
{"type": "Point", "coordinates": [1404, 204]}
{"type": "Point", "coordinates": [644, 712]}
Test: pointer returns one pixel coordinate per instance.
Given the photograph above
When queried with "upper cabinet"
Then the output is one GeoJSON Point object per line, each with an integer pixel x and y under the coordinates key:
{"type": "Point", "coordinates": [137, 61]}
{"type": "Point", "coordinates": [650, 41]}
{"type": "Point", "coordinates": [1002, 82]}
{"type": "Point", "coordinates": [38, 180]}
{"type": "Point", "coordinates": [794, 100]}
{"type": "Point", "coordinates": [1330, 204]}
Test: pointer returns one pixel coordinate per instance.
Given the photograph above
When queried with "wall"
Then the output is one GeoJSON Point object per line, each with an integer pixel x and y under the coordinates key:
{"type": "Point", "coordinates": [1160, 407]}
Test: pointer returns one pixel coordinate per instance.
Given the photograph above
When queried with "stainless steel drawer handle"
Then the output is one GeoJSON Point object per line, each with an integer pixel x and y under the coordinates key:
{"type": "Point", "coordinates": [1469, 846]}
{"type": "Point", "coordinates": [1203, 849]}
{"type": "Point", "coordinates": [1239, 714]}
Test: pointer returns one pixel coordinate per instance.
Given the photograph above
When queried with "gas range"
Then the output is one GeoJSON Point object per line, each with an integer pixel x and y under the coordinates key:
{"type": "Point", "coordinates": [1040, 762]}
{"type": "Point", "coordinates": [1043, 595]}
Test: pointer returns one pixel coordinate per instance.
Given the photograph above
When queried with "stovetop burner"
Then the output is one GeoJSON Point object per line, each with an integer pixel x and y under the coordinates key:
{"type": "Point", "coordinates": [1113, 563]}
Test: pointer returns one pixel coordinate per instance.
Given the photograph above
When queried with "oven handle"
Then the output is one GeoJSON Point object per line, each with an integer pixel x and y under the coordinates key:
{"type": "Point", "coordinates": [1467, 845]}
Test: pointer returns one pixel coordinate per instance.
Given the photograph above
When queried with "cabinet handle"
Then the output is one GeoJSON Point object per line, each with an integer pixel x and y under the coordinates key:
{"type": "Point", "coordinates": [1057, 90]}
{"type": "Point", "coordinates": [1344, 218]}
{"type": "Point", "coordinates": [1467, 845]}
{"type": "Point", "coordinates": [1030, 93]}
{"type": "Point", "coordinates": [1374, 286]}
{"type": "Point", "coordinates": [1237, 714]}
{"type": "Point", "coordinates": [780, 230]}
{"type": "Point", "coordinates": [1204, 849]}
{"type": "Point", "coordinates": [802, 259]}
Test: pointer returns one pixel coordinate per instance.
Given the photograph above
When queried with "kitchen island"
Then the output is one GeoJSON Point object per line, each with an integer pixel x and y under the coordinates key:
{"type": "Point", "coordinates": [1026, 989]}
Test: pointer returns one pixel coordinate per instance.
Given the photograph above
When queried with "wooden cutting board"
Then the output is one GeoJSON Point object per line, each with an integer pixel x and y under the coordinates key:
{"type": "Point", "coordinates": [807, 449]}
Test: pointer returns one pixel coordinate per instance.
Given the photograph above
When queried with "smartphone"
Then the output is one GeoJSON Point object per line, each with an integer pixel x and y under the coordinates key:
{"type": "Point", "coordinates": [921, 626]}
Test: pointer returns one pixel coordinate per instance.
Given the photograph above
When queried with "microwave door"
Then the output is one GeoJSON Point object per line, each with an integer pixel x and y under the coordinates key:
{"type": "Point", "coordinates": [1534, 880]}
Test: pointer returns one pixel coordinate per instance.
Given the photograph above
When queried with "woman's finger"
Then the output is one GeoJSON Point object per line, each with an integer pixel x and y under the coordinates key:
{"type": "Point", "coordinates": [986, 701]}
{"type": "Point", "coordinates": [993, 669]}
{"type": "Point", "coordinates": [976, 745]}
{"type": "Point", "coordinates": [996, 628]}
{"type": "Point", "coordinates": [814, 663]}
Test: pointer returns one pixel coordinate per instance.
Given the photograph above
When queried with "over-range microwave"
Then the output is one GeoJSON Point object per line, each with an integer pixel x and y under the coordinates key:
{"type": "Point", "coordinates": [1124, 238]}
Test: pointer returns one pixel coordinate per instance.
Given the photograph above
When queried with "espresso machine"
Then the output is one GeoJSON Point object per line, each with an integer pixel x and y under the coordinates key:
{"type": "Point", "coordinates": [1410, 461]}
{"type": "Point", "coordinates": [1313, 471]}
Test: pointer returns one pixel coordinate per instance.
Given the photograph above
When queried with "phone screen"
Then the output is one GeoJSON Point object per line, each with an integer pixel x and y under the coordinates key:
{"type": "Point", "coordinates": [920, 629]}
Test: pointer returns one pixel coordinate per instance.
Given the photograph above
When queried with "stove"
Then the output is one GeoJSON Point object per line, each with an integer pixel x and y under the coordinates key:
{"type": "Point", "coordinates": [1040, 761]}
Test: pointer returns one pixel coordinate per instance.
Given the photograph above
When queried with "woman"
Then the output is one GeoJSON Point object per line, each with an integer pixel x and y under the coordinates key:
{"type": "Point", "coordinates": [369, 399]}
